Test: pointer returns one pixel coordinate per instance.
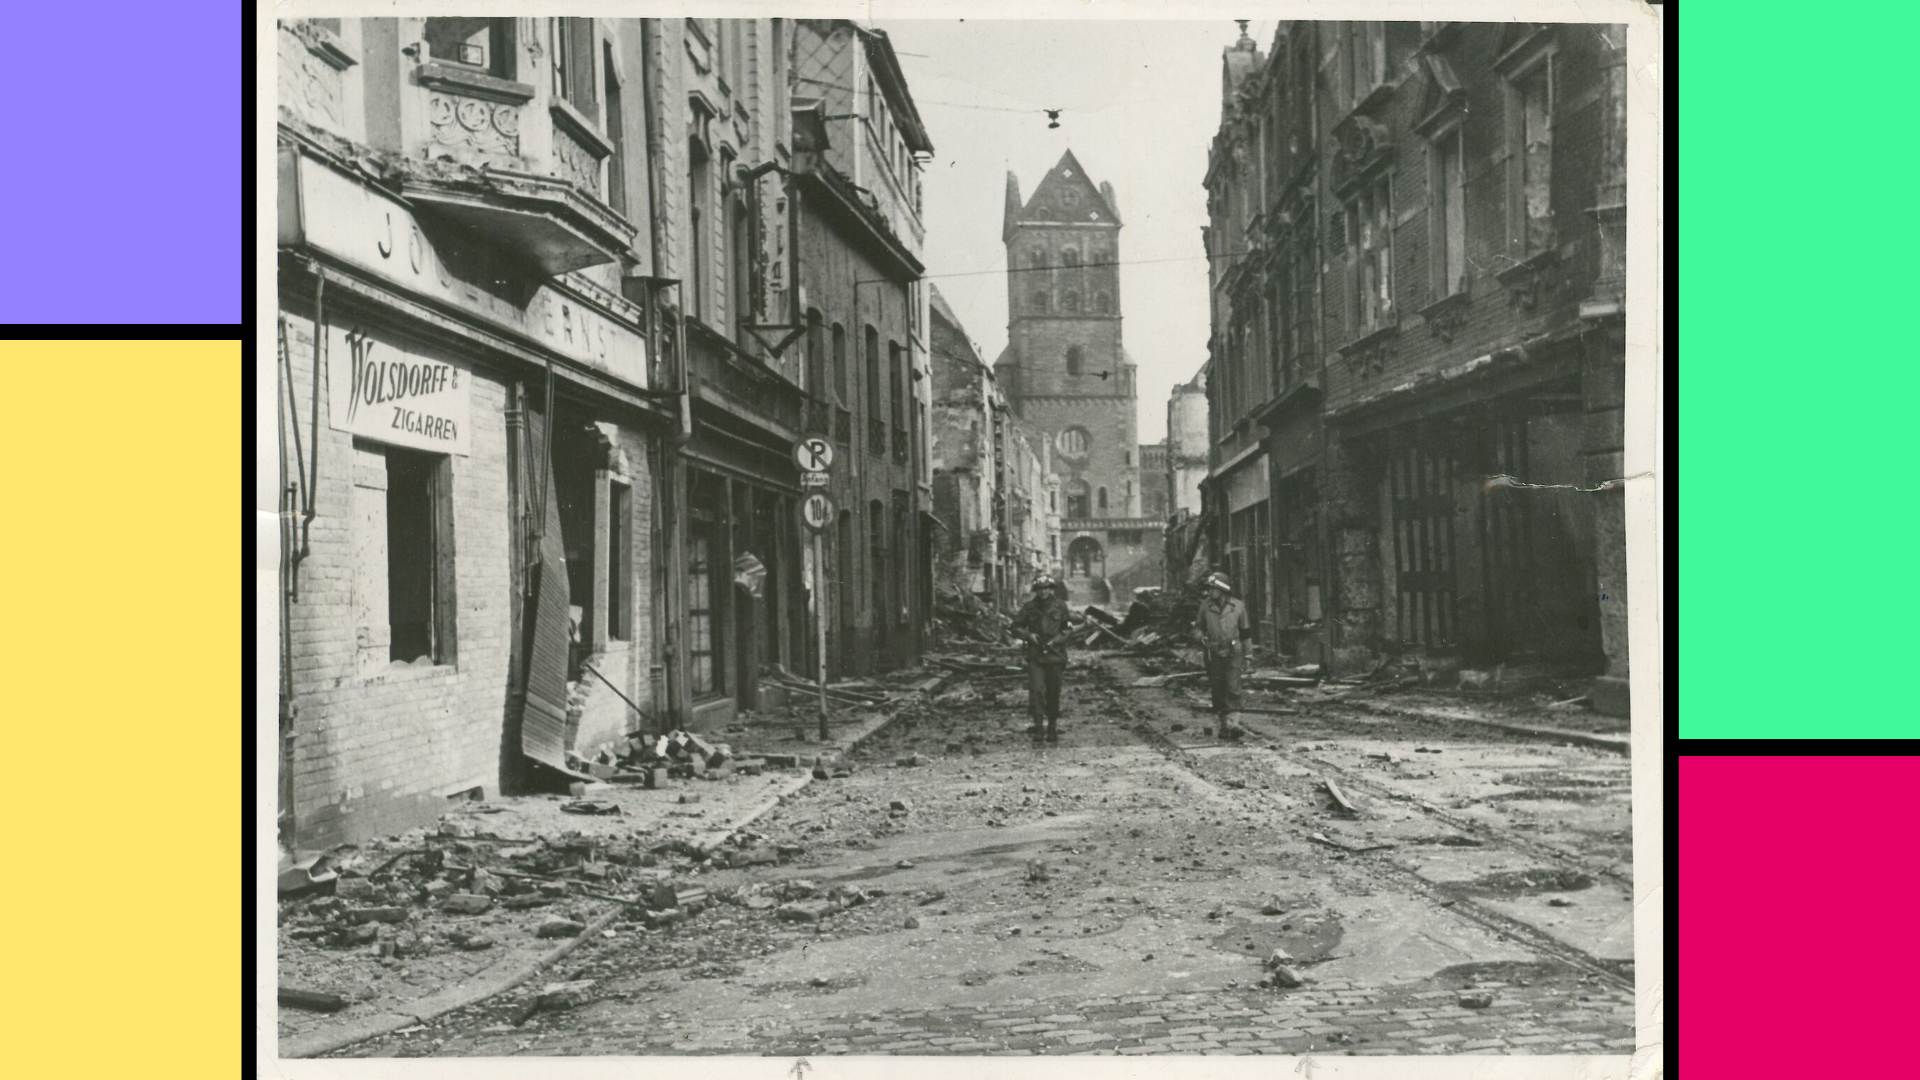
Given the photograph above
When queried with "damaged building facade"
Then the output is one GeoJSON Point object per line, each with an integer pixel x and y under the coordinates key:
{"type": "Point", "coordinates": [860, 238]}
{"type": "Point", "coordinates": [543, 361]}
{"type": "Point", "coordinates": [470, 409]}
{"type": "Point", "coordinates": [734, 580]}
{"type": "Point", "coordinates": [1417, 364]}
{"type": "Point", "coordinates": [1188, 455]}
{"type": "Point", "coordinates": [991, 490]}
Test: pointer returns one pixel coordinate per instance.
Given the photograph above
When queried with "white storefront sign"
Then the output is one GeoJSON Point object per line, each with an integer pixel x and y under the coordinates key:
{"type": "Point", "coordinates": [356, 223]}
{"type": "Point", "coordinates": [379, 389]}
{"type": "Point", "coordinates": [1248, 485]}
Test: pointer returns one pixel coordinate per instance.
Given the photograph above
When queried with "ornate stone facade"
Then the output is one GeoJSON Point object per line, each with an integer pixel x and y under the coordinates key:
{"type": "Point", "coordinates": [465, 127]}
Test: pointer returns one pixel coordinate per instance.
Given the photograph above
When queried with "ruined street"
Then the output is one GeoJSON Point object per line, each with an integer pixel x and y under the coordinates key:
{"type": "Point", "coordinates": [964, 891]}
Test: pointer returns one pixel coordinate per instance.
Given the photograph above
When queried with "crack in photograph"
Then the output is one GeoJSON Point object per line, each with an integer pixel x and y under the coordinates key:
{"type": "Point", "coordinates": [811, 538]}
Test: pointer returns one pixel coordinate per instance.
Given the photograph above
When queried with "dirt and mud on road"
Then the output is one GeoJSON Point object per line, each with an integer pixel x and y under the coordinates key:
{"type": "Point", "coordinates": [1138, 888]}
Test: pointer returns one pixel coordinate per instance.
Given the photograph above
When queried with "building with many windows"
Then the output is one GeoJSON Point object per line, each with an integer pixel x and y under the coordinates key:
{"type": "Point", "coordinates": [987, 476]}
{"type": "Point", "coordinates": [471, 406]}
{"type": "Point", "coordinates": [859, 240]}
{"type": "Point", "coordinates": [1416, 368]}
{"type": "Point", "coordinates": [545, 350]}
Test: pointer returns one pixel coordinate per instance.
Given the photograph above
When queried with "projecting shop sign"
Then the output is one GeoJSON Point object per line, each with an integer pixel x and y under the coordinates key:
{"type": "Point", "coordinates": [378, 389]}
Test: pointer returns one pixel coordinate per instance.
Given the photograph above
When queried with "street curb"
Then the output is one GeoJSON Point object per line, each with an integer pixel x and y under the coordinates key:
{"type": "Point", "coordinates": [719, 836]}
{"type": "Point", "coordinates": [459, 997]}
{"type": "Point", "coordinates": [446, 1001]}
{"type": "Point", "coordinates": [1618, 744]}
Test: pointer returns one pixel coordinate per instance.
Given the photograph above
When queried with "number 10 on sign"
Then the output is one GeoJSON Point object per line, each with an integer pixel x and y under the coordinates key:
{"type": "Point", "coordinates": [816, 511]}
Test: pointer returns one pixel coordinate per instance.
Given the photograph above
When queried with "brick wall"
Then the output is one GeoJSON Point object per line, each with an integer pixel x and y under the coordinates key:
{"type": "Point", "coordinates": [378, 744]}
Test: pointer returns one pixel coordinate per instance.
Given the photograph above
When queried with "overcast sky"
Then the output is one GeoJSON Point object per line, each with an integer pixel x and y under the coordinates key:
{"type": "Point", "coordinates": [1141, 101]}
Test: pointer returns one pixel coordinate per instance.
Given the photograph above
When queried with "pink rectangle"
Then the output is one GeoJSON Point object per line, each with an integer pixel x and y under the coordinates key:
{"type": "Point", "coordinates": [1799, 943]}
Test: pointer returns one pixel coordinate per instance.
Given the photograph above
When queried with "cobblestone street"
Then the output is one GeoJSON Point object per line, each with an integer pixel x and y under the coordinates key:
{"type": "Point", "coordinates": [1122, 891]}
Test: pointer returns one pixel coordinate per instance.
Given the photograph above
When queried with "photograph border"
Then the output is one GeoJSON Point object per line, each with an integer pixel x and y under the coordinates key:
{"type": "Point", "coordinates": [1644, 514]}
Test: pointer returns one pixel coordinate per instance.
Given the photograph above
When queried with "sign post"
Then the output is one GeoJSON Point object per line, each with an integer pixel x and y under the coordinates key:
{"type": "Point", "coordinates": [814, 456]}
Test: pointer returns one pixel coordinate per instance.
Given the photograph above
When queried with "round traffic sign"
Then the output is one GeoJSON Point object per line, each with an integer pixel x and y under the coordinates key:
{"type": "Point", "coordinates": [816, 511]}
{"type": "Point", "coordinates": [813, 454]}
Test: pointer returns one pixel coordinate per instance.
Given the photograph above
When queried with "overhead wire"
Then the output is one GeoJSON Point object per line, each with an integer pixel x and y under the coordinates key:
{"type": "Point", "coordinates": [1086, 266]}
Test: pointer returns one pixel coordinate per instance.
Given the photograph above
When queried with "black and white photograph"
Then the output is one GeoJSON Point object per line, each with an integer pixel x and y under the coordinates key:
{"type": "Point", "coordinates": [821, 532]}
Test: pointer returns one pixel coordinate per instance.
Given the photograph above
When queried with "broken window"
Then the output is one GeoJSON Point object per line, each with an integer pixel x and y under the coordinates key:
{"type": "Point", "coordinates": [485, 45]}
{"type": "Point", "coordinates": [706, 580]}
{"type": "Point", "coordinates": [1366, 59]}
{"type": "Point", "coordinates": [740, 264]}
{"type": "Point", "coordinates": [616, 134]}
{"type": "Point", "coordinates": [896, 373]}
{"type": "Point", "coordinates": [877, 560]}
{"type": "Point", "coordinates": [1448, 215]}
{"type": "Point", "coordinates": [842, 378]}
{"type": "Point", "coordinates": [1530, 164]}
{"type": "Point", "coordinates": [903, 566]}
{"type": "Point", "coordinates": [573, 64]}
{"type": "Point", "coordinates": [1370, 257]}
{"type": "Point", "coordinates": [876, 407]}
{"type": "Point", "coordinates": [619, 562]}
{"type": "Point", "coordinates": [1078, 495]}
{"type": "Point", "coordinates": [403, 555]}
{"type": "Point", "coordinates": [816, 358]}
{"type": "Point", "coordinates": [699, 182]}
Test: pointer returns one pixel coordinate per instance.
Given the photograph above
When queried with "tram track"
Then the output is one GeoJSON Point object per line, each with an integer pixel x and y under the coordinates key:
{"type": "Point", "coordinates": [1379, 863]}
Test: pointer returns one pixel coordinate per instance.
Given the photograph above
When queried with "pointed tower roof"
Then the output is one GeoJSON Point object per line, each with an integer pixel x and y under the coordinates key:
{"type": "Point", "coordinates": [1067, 194]}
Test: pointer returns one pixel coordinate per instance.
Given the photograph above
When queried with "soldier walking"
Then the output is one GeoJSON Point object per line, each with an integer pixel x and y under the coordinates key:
{"type": "Point", "coordinates": [1223, 627]}
{"type": "Point", "coordinates": [1042, 624]}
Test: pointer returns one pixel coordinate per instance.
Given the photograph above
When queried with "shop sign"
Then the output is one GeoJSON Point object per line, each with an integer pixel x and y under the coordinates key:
{"type": "Point", "coordinates": [379, 234]}
{"type": "Point", "coordinates": [380, 389]}
{"type": "Point", "coordinates": [1248, 485]}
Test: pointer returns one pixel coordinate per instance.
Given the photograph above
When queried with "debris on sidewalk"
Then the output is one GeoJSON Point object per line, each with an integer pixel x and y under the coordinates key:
{"type": "Point", "coordinates": [558, 996]}
{"type": "Point", "coordinates": [311, 999]}
{"type": "Point", "coordinates": [1340, 798]}
{"type": "Point", "coordinates": [557, 926]}
{"type": "Point", "coordinates": [1322, 838]}
{"type": "Point", "coordinates": [305, 874]}
{"type": "Point", "coordinates": [1280, 973]}
{"type": "Point", "coordinates": [1479, 1000]}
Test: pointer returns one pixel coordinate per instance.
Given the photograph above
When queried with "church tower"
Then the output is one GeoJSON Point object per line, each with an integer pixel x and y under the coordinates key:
{"type": "Point", "coordinates": [1067, 376]}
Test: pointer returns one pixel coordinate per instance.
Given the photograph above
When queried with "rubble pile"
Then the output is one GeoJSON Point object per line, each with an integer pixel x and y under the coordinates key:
{"type": "Point", "coordinates": [960, 616]}
{"type": "Point", "coordinates": [1154, 623]}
